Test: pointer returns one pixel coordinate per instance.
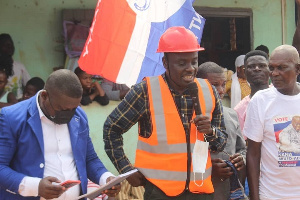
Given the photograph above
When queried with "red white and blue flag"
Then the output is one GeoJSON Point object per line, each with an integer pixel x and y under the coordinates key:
{"type": "Point", "coordinates": [124, 36]}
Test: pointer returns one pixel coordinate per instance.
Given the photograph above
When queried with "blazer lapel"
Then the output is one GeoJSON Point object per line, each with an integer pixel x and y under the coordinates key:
{"type": "Point", "coordinates": [73, 126]}
{"type": "Point", "coordinates": [35, 122]}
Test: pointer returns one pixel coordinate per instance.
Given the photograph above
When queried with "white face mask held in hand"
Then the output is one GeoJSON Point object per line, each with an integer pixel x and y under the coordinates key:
{"type": "Point", "coordinates": [200, 154]}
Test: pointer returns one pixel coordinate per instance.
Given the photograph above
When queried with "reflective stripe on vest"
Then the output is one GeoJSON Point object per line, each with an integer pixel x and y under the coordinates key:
{"type": "Point", "coordinates": [162, 157]}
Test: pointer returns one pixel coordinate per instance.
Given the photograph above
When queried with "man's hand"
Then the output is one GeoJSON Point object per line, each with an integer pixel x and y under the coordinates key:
{"type": "Point", "coordinates": [112, 192]}
{"type": "Point", "coordinates": [48, 190]}
{"type": "Point", "coordinates": [220, 169]}
{"type": "Point", "coordinates": [203, 124]}
{"type": "Point", "coordinates": [94, 86]}
{"type": "Point", "coordinates": [238, 161]}
{"type": "Point", "coordinates": [137, 179]}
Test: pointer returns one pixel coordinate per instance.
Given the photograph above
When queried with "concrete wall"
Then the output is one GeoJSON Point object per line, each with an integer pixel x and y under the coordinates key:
{"type": "Point", "coordinates": [266, 18]}
{"type": "Point", "coordinates": [36, 28]}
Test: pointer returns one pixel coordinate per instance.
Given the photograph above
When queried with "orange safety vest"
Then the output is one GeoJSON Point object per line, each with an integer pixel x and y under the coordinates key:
{"type": "Point", "coordinates": [162, 157]}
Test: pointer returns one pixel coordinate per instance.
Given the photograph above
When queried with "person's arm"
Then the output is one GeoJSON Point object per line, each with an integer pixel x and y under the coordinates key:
{"type": "Point", "coordinates": [93, 93]}
{"type": "Point", "coordinates": [98, 87]}
{"type": "Point", "coordinates": [95, 169]}
{"type": "Point", "coordinates": [240, 110]}
{"type": "Point", "coordinates": [131, 110]}
{"type": "Point", "coordinates": [108, 88]}
{"type": "Point", "coordinates": [102, 100]}
{"type": "Point", "coordinates": [9, 179]}
{"type": "Point", "coordinates": [253, 168]}
{"type": "Point", "coordinates": [123, 90]}
{"type": "Point", "coordinates": [85, 100]}
{"type": "Point", "coordinates": [240, 146]}
{"type": "Point", "coordinates": [218, 143]}
{"type": "Point", "coordinates": [239, 158]}
{"type": "Point", "coordinates": [254, 131]}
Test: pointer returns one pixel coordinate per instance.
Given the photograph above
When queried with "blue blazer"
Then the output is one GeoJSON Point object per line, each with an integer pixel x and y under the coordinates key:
{"type": "Point", "coordinates": [22, 148]}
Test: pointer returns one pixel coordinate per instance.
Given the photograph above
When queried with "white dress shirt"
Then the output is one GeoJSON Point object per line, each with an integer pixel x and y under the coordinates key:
{"type": "Point", "coordinates": [59, 160]}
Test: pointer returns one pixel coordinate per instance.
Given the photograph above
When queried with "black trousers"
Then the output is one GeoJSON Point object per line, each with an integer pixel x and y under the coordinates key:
{"type": "Point", "coordinates": [154, 193]}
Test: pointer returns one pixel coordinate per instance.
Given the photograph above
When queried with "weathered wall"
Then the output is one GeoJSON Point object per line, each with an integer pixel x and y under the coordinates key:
{"type": "Point", "coordinates": [266, 18]}
{"type": "Point", "coordinates": [36, 28]}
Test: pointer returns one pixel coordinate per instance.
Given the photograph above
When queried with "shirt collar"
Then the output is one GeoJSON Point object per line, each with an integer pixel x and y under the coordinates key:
{"type": "Point", "coordinates": [38, 105]}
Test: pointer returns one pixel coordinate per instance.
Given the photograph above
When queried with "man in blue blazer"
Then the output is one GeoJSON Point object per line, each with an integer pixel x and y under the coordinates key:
{"type": "Point", "coordinates": [45, 141]}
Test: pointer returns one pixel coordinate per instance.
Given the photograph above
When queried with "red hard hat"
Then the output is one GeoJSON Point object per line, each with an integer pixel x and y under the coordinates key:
{"type": "Point", "coordinates": [178, 39]}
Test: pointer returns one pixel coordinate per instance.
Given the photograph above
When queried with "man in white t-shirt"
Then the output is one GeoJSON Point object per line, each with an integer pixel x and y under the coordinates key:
{"type": "Point", "coordinates": [257, 75]}
{"type": "Point", "coordinates": [272, 173]}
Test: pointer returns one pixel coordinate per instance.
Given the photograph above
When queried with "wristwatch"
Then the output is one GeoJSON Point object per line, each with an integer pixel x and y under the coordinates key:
{"type": "Point", "coordinates": [214, 135]}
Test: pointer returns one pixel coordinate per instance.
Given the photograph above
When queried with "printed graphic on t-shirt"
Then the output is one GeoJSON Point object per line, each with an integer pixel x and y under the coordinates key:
{"type": "Point", "coordinates": [287, 134]}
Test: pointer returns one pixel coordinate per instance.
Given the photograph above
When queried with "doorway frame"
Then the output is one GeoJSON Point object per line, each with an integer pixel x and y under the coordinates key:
{"type": "Point", "coordinates": [228, 12]}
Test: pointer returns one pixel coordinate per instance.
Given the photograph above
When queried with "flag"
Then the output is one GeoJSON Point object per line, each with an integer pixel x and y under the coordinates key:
{"type": "Point", "coordinates": [124, 36]}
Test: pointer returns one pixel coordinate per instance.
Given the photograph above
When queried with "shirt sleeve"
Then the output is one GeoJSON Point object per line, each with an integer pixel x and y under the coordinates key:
{"type": "Point", "coordinates": [85, 100]}
{"type": "Point", "coordinates": [104, 176]}
{"type": "Point", "coordinates": [29, 186]}
{"type": "Point", "coordinates": [107, 86]}
{"type": "Point", "coordinates": [253, 127]}
{"type": "Point", "coordinates": [218, 143]}
{"type": "Point", "coordinates": [102, 100]}
{"type": "Point", "coordinates": [131, 110]}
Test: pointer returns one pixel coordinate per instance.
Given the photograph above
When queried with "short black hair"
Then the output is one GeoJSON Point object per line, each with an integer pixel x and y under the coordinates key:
{"type": "Point", "coordinates": [64, 82]}
{"type": "Point", "coordinates": [256, 53]}
{"type": "Point", "coordinates": [208, 67]}
{"type": "Point", "coordinates": [37, 82]}
{"type": "Point", "coordinates": [6, 64]}
{"type": "Point", "coordinates": [78, 71]}
{"type": "Point", "coordinates": [263, 48]}
{"type": "Point", "coordinates": [4, 37]}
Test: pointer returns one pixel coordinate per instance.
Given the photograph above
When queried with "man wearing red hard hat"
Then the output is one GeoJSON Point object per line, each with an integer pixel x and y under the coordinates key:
{"type": "Point", "coordinates": [172, 155]}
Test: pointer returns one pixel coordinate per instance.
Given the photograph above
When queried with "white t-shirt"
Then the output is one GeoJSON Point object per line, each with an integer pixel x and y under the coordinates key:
{"type": "Point", "coordinates": [269, 113]}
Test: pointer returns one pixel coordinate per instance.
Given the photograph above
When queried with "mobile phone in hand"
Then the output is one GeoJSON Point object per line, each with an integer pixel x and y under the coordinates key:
{"type": "Point", "coordinates": [70, 183]}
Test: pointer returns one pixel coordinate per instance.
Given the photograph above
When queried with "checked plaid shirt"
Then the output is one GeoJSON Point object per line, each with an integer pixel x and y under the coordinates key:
{"type": "Point", "coordinates": [135, 108]}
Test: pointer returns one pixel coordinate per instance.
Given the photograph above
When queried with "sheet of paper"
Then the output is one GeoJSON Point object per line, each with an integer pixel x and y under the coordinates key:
{"type": "Point", "coordinates": [115, 181]}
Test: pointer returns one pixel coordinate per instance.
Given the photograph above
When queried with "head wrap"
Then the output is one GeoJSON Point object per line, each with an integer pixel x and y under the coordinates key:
{"type": "Point", "coordinates": [239, 61]}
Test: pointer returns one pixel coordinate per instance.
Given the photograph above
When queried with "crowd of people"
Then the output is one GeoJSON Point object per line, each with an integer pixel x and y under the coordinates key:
{"type": "Point", "coordinates": [189, 146]}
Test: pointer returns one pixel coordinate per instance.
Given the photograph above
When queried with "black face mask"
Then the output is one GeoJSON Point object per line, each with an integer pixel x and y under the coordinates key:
{"type": "Point", "coordinates": [60, 117]}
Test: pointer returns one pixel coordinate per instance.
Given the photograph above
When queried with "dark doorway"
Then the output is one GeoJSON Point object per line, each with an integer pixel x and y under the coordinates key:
{"type": "Point", "coordinates": [227, 34]}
